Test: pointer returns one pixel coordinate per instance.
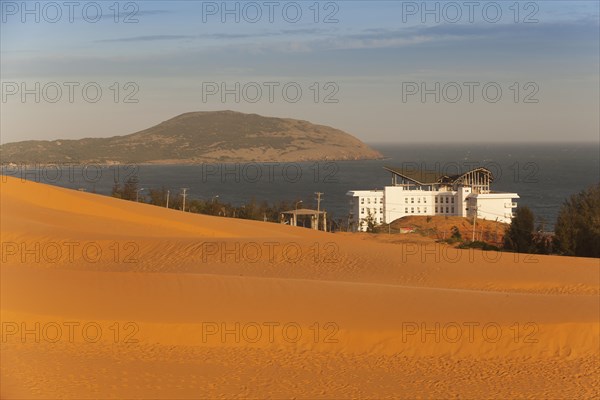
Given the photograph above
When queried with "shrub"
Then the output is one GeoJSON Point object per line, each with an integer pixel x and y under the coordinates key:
{"type": "Point", "coordinates": [455, 233]}
{"type": "Point", "coordinates": [519, 236]}
{"type": "Point", "coordinates": [577, 230]}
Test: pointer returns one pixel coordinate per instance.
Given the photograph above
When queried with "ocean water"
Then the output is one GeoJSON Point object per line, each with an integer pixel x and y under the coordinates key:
{"type": "Point", "coordinates": [543, 175]}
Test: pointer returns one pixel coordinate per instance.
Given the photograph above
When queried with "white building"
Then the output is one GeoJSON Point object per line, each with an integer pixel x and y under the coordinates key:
{"type": "Point", "coordinates": [430, 193]}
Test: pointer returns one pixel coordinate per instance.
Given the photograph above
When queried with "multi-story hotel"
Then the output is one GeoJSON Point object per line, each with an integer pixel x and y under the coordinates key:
{"type": "Point", "coordinates": [430, 193]}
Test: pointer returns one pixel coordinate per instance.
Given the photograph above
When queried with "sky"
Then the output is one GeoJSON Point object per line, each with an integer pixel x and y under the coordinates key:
{"type": "Point", "coordinates": [384, 71]}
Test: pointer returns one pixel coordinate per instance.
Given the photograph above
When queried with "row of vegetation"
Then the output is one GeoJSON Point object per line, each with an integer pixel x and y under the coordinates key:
{"type": "Point", "coordinates": [576, 233]}
{"type": "Point", "coordinates": [158, 197]}
{"type": "Point", "coordinates": [577, 230]}
{"type": "Point", "coordinates": [253, 210]}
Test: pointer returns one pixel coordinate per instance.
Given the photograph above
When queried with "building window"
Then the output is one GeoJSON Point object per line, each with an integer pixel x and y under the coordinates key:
{"type": "Point", "coordinates": [436, 209]}
{"type": "Point", "coordinates": [412, 210]}
{"type": "Point", "coordinates": [419, 200]}
{"type": "Point", "coordinates": [362, 210]}
{"type": "Point", "coordinates": [381, 210]}
{"type": "Point", "coordinates": [412, 199]}
{"type": "Point", "coordinates": [446, 200]}
{"type": "Point", "coordinates": [453, 200]}
{"type": "Point", "coordinates": [369, 201]}
{"type": "Point", "coordinates": [418, 210]}
{"type": "Point", "coordinates": [424, 199]}
{"type": "Point", "coordinates": [381, 200]}
{"type": "Point", "coordinates": [447, 210]}
{"type": "Point", "coordinates": [406, 200]}
{"type": "Point", "coordinates": [452, 210]}
{"type": "Point", "coordinates": [405, 210]}
{"type": "Point", "coordinates": [436, 199]}
{"type": "Point", "coordinates": [362, 201]}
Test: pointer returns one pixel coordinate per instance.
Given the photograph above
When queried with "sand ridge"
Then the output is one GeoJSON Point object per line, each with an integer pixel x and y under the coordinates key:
{"type": "Point", "coordinates": [172, 287]}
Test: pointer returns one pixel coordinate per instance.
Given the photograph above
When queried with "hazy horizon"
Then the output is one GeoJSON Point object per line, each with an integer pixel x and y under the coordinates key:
{"type": "Point", "coordinates": [406, 140]}
{"type": "Point", "coordinates": [359, 65]}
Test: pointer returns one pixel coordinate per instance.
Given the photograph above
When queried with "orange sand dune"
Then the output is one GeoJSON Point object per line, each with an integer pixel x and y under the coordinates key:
{"type": "Point", "coordinates": [107, 298]}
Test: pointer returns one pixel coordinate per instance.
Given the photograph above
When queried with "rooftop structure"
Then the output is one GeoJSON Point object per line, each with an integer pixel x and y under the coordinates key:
{"type": "Point", "coordinates": [422, 192]}
{"type": "Point", "coordinates": [318, 219]}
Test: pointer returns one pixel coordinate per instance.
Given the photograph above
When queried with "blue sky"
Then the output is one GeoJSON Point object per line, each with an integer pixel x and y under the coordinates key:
{"type": "Point", "coordinates": [366, 51]}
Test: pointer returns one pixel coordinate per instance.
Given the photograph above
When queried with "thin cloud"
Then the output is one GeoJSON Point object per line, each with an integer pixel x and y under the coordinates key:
{"type": "Point", "coordinates": [150, 38]}
{"type": "Point", "coordinates": [218, 36]}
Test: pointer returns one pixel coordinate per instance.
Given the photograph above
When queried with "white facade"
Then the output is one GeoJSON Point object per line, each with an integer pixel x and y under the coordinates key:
{"type": "Point", "coordinates": [365, 203]}
{"type": "Point", "coordinates": [452, 196]}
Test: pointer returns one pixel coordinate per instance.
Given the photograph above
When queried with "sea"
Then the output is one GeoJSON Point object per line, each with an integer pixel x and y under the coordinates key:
{"type": "Point", "coordinates": [543, 175]}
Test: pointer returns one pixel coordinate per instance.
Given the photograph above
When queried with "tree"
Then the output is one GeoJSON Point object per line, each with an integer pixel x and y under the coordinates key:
{"type": "Point", "coordinates": [519, 236]}
{"type": "Point", "coordinates": [116, 190]}
{"type": "Point", "coordinates": [455, 234]}
{"type": "Point", "coordinates": [370, 221]}
{"type": "Point", "coordinates": [577, 230]}
{"type": "Point", "coordinates": [130, 189]}
{"type": "Point", "coordinates": [158, 197]}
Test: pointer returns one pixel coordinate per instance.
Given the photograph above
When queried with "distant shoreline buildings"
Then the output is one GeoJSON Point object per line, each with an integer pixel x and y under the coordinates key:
{"type": "Point", "coordinates": [429, 193]}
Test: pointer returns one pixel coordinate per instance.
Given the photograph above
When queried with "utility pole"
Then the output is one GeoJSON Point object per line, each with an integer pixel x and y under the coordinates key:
{"type": "Point", "coordinates": [319, 210]}
{"type": "Point", "coordinates": [318, 200]}
{"type": "Point", "coordinates": [168, 193]}
{"type": "Point", "coordinates": [496, 232]}
{"type": "Point", "coordinates": [474, 222]}
{"type": "Point", "coordinates": [184, 194]}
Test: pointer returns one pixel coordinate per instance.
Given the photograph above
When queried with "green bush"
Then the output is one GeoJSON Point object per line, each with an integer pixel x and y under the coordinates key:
{"type": "Point", "coordinates": [577, 230]}
{"type": "Point", "coordinates": [455, 234]}
{"type": "Point", "coordinates": [519, 236]}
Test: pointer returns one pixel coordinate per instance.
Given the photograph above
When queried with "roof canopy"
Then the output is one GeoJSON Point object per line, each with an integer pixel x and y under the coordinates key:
{"type": "Point", "coordinates": [304, 211]}
{"type": "Point", "coordinates": [425, 177]}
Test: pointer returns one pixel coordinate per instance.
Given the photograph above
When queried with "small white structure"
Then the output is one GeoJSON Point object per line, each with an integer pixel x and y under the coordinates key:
{"type": "Point", "coordinates": [429, 193]}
